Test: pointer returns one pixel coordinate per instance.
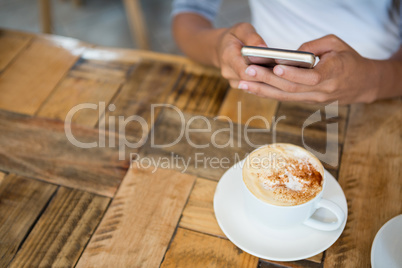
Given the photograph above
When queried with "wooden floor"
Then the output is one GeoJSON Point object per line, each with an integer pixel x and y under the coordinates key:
{"type": "Point", "coordinates": [65, 206]}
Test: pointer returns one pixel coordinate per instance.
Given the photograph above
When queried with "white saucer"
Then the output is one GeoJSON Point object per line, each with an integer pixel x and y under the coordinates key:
{"type": "Point", "coordinates": [386, 249]}
{"type": "Point", "coordinates": [277, 245]}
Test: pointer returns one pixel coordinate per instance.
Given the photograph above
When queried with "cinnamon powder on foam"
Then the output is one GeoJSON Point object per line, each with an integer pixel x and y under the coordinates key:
{"type": "Point", "coordinates": [295, 182]}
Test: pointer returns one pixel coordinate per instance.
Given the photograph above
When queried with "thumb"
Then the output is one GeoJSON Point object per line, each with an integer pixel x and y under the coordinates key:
{"type": "Point", "coordinates": [324, 45]}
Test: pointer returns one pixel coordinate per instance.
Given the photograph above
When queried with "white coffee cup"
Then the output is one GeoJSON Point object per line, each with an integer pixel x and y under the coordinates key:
{"type": "Point", "coordinates": [281, 217]}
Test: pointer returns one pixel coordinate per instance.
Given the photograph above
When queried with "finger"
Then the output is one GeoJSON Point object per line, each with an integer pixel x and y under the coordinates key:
{"type": "Point", "coordinates": [247, 34]}
{"type": "Point", "coordinates": [234, 83]}
{"type": "Point", "coordinates": [229, 74]}
{"type": "Point", "coordinates": [269, 91]}
{"type": "Point", "coordinates": [323, 45]}
{"type": "Point", "coordinates": [238, 65]}
{"type": "Point", "coordinates": [309, 77]}
{"type": "Point", "coordinates": [234, 65]}
{"type": "Point", "coordinates": [234, 69]}
{"type": "Point", "coordinates": [232, 61]}
{"type": "Point", "coordinates": [262, 74]}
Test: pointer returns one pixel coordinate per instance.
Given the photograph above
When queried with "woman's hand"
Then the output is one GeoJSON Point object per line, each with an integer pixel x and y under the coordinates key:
{"type": "Point", "coordinates": [228, 52]}
{"type": "Point", "coordinates": [341, 74]}
{"type": "Point", "coordinates": [221, 47]}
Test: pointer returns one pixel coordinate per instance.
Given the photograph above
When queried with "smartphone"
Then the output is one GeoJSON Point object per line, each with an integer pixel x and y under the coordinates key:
{"type": "Point", "coordinates": [272, 56]}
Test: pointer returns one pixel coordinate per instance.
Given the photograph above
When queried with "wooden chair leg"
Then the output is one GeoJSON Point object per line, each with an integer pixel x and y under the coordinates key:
{"type": "Point", "coordinates": [77, 3]}
{"type": "Point", "coordinates": [137, 23]}
{"type": "Point", "coordinates": [45, 15]}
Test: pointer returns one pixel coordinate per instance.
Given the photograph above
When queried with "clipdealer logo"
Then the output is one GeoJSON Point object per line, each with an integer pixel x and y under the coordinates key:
{"type": "Point", "coordinates": [236, 133]}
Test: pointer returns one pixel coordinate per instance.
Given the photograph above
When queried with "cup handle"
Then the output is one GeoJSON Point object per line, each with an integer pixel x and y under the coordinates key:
{"type": "Point", "coordinates": [327, 226]}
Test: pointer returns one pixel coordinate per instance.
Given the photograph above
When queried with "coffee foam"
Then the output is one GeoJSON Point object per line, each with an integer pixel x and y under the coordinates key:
{"type": "Point", "coordinates": [283, 174]}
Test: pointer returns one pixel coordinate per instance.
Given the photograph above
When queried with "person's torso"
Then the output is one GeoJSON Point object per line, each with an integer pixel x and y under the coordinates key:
{"type": "Point", "coordinates": [369, 26]}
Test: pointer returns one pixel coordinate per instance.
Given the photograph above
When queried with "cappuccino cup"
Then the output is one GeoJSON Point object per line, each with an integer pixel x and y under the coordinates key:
{"type": "Point", "coordinates": [283, 186]}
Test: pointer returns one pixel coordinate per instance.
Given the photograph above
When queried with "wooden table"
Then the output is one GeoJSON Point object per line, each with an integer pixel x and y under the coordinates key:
{"type": "Point", "coordinates": [63, 206]}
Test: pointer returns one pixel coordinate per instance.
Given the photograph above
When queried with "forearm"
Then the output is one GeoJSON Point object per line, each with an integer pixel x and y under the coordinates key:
{"type": "Point", "coordinates": [197, 38]}
{"type": "Point", "coordinates": [390, 76]}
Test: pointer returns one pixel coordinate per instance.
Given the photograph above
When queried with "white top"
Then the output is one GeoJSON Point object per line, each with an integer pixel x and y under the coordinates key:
{"type": "Point", "coordinates": [369, 26]}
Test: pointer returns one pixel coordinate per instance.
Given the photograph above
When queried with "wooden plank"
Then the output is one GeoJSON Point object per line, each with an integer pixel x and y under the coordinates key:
{"type": "Point", "coordinates": [21, 202]}
{"type": "Point", "coordinates": [183, 151]}
{"type": "Point", "coordinates": [63, 230]}
{"type": "Point", "coordinates": [181, 95]}
{"type": "Point", "coordinates": [209, 153]}
{"type": "Point", "coordinates": [208, 89]}
{"type": "Point", "coordinates": [190, 90]}
{"type": "Point", "coordinates": [210, 92]}
{"type": "Point", "coordinates": [198, 94]}
{"type": "Point", "coordinates": [292, 264]}
{"type": "Point", "coordinates": [141, 220]}
{"type": "Point", "coordinates": [11, 44]}
{"type": "Point", "coordinates": [250, 107]}
{"type": "Point", "coordinates": [217, 97]}
{"type": "Point", "coordinates": [27, 82]}
{"type": "Point", "coordinates": [149, 83]}
{"type": "Point", "coordinates": [134, 56]}
{"type": "Point", "coordinates": [317, 258]}
{"type": "Point", "coordinates": [212, 95]}
{"type": "Point", "coordinates": [199, 215]}
{"type": "Point", "coordinates": [370, 176]}
{"type": "Point", "coordinates": [2, 175]}
{"type": "Point", "coordinates": [73, 91]}
{"type": "Point", "coordinates": [192, 249]}
{"type": "Point", "coordinates": [101, 71]}
{"type": "Point", "coordinates": [37, 147]}
{"type": "Point", "coordinates": [297, 114]}
{"type": "Point", "coordinates": [203, 97]}
{"type": "Point", "coordinates": [314, 261]}
{"type": "Point", "coordinates": [197, 87]}
{"type": "Point", "coordinates": [90, 82]}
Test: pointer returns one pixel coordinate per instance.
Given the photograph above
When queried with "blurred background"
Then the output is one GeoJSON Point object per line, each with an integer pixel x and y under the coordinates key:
{"type": "Point", "coordinates": [107, 22]}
